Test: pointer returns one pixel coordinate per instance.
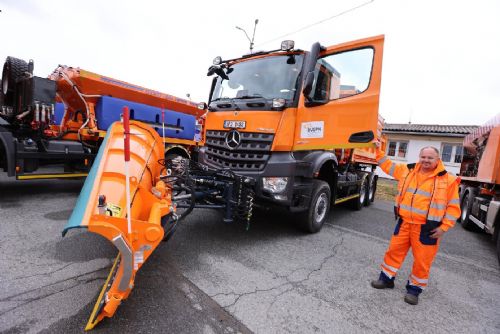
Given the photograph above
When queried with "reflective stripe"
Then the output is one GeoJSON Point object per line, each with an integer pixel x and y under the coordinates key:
{"type": "Point", "coordinates": [409, 208]}
{"type": "Point", "coordinates": [419, 280]}
{"type": "Point", "coordinates": [418, 192]}
{"type": "Point", "coordinates": [454, 201]}
{"type": "Point", "coordinates": [387, 273]}
{"type": "Point", "coordinates": [434, 218]}
{"type": "Point", "coordinates": [389, 267]}
{"type": "Point", "coordinates": [391, 171]}
{"type": "Point", "coordinates": [423, 193]}
{"type": "Point", "coordinates": [438, 206]}
{"type": "Point", "coordinates": [382, 160]}
{"type": "Point", "coordinates": [450, 217]}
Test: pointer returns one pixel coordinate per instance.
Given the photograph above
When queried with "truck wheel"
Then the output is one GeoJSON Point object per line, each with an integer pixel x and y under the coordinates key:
{"type": "Point", "coordinates": [13, 69]}
{"type": "Point", "coordinates": [466, 207]}
{"type": "Point", "coordinates": [358, 202]}
{"type": "Point", "coordinates": [370, 190]}
{"type": "Point", "coordinates": [313, 219]}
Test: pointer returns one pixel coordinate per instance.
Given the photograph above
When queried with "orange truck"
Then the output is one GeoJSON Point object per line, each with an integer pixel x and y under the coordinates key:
{"type": "Point", "coordinates": [301, 124]}
{"type": "Point", "coordinates": [480, 181]}
{"type": "Point", "coordinates": [53, 127]}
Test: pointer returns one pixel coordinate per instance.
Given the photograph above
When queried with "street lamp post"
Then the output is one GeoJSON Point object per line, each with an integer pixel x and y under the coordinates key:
{"type": "Point", "coordinates": [253, 36]}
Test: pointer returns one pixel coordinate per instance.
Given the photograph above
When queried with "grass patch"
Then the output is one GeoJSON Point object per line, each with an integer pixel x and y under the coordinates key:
{"type": "Point", "coordinates": [386, 189]}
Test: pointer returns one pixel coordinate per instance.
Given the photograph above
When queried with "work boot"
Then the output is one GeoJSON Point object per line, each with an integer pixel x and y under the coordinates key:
{"type": "Point", "coordinates": [383, 282]}
{"type": "Point", "coordinates": [412, 293]}
{"type": "Point", "coordinates": [411, 299]}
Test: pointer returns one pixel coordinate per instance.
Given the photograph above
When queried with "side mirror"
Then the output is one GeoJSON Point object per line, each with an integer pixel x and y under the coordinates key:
{"type": "Point", "coordinates": [308, 83]}
{"type": "Point", "coordinates": [217, 70]}
{"type": "Point", "coordinates": [313, 56]}
{"type": "Point", "coordinates": [211, 71]}
{"type": "Point", "coordinates": [309, 68]}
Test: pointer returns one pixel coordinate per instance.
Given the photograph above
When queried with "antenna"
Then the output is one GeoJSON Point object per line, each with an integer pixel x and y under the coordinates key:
{"type": "Point", "coordinates": [253, 36]}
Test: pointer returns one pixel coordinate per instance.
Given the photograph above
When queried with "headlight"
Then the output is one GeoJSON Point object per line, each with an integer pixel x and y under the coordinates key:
{"type": "Point", "coordinates": [274, 185]}
{"type": "Point", "coordinates": [278, 103]}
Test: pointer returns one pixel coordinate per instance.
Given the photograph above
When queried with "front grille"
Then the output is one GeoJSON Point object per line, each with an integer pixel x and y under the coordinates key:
{"type": "Point", "coordinates": [251, 155]}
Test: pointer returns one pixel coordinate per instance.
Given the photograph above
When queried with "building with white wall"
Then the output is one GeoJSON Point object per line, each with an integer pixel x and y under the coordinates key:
{"type": "Point", "coordinates": [406, 140]}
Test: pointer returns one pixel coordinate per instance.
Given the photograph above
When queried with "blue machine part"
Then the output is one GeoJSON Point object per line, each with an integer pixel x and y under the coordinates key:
{"type": "Point", "coordinates": [58, 113]}
{"type": "Point", "coordinates": [177, 125]}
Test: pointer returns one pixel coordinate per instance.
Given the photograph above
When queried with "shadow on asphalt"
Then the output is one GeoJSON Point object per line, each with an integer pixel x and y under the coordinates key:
{"type": "Point", "coordinates": [83, 246]}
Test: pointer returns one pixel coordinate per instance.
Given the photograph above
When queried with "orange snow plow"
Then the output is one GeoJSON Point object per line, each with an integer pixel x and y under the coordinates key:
{"type": "Point", "coordinates": [128, 198]}
{"type": "Point", "coordinates": [102, 207]}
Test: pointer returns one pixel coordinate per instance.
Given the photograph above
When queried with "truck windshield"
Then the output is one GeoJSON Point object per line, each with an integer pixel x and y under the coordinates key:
{"type": "Point", "coordinates": [265, 78]}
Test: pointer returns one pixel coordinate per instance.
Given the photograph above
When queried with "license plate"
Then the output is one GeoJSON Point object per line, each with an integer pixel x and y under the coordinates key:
{"type": "Point", "coordinates": [235, 124]}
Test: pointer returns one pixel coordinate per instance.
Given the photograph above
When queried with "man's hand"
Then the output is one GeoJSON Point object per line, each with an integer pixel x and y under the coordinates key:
{"type": "Point", "coordinates": [377, 143]}
{"type": "Point", "coordinates": [437, 233]}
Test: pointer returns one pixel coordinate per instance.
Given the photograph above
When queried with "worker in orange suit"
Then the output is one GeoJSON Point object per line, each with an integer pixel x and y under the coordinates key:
{"type": "Point", "coordinates": [427, 205]}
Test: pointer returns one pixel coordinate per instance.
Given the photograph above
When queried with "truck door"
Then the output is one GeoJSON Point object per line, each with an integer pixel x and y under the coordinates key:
{"type": "Point", "coordinates": [340, 108]}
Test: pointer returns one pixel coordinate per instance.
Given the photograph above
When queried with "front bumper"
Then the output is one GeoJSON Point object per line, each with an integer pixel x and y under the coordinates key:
{"type": "Point", "coordinates": [280, 164]}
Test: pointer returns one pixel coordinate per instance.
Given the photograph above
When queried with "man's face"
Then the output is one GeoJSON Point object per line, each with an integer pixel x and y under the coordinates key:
{"type": "Point", "coordinates": [428, 159]}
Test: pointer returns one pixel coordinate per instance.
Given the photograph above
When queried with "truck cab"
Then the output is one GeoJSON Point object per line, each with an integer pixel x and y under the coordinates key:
{"type": "Point", "coordinates": [291, 119]}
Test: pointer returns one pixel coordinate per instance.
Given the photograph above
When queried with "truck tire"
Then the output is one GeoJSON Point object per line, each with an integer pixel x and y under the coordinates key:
{"type": "Point", "coordinates": [371, 189]}
{"type": "Point", "coordinates": [313, 219]}
{"type": "Point", "coordinates": [466, 207]}
{"type": "Point", "coordinates": [358, 202]}
{"type": "Point", "coordinates": [13, 70]}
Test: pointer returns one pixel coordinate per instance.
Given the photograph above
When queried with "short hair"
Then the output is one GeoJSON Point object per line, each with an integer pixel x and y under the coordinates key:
{"type": "Point", "coordinates": [431, 147]}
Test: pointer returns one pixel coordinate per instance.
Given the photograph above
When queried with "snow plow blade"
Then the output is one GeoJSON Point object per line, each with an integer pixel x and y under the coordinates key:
{"type": "Point", "coordinates": [102, 208]}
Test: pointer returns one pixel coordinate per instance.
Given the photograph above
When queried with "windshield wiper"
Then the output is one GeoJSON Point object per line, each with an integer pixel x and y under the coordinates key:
{"type": "Point", "coordinates": [248, 97]}
{"type": "Point", "coordinates": [227, 101]}
{"type": "Point", "coordinates": [219, 99]}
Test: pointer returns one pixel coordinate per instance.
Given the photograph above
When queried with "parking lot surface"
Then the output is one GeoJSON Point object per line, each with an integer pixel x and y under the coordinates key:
{"type": "Point", "coordinates": [217, 278]}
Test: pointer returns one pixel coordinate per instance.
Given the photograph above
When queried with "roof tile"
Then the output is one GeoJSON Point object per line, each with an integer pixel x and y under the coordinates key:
{"type": "Point", "coordinates": [430, 128]}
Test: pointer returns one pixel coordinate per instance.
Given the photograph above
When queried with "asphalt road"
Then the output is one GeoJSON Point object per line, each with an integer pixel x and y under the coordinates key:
{"type": "Point", "coordinates": [218, 278]}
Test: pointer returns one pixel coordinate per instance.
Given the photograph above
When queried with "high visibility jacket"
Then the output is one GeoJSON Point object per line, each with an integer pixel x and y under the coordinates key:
{"type": "Point", "coordinates": [435, 201]}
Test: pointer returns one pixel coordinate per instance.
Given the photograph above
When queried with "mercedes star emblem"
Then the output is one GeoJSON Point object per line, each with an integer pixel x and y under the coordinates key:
{"type": "Point", "coordinates": [233, 139]}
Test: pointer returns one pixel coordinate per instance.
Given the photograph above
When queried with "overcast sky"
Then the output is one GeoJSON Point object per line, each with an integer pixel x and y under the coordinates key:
{"type": "Point", "coordinates": [441, 58]}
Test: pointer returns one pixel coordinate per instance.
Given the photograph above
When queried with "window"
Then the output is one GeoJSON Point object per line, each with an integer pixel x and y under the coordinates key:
{"type": "Point", "coordinates": [342, 75]}
{"type": "Point", "coordinates": [397, 149]}
{"type": "Point", "coordinates": [452, 153]}
{"type": "Point", "coordinates": [402, 149]}
{"type": "Point", "coordinates": [268, 78]}
{"type": "Point", "coordinates": [459, 153]}
{"type": "Point", "coordinates": [391, 151]}
{"type": "Point", "coordinates": [446, 154]}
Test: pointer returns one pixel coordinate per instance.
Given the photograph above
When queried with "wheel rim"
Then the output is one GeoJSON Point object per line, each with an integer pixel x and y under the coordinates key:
{"type": "Point", "coordinates": [362, 192]}
{"type": "Point", "coordinates": [465, 207]}
{"type": "Point", "coordinates": [320, 208]}
{"type": "Point", "coordinates": [371, 190]}
{"type": "Point", "coordinates": [5, 85]}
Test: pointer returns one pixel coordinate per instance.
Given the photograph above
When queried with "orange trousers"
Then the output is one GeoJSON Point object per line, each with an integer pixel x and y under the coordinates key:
{"type": "Point", "coordinates": [423, 247]}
